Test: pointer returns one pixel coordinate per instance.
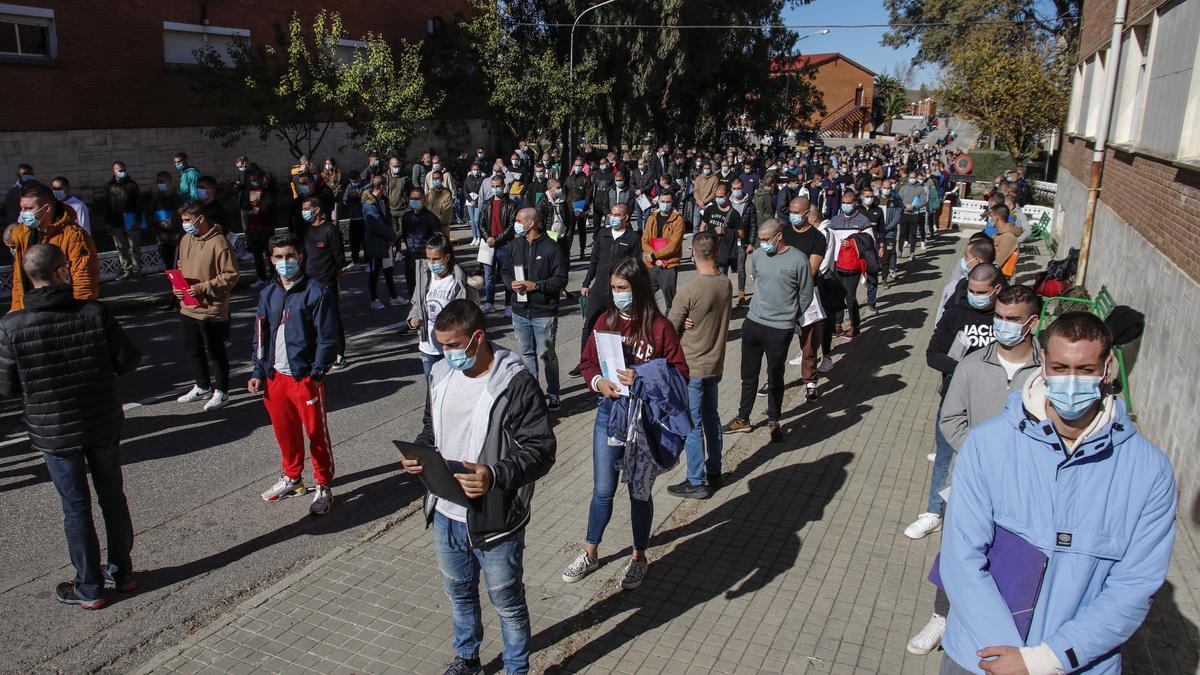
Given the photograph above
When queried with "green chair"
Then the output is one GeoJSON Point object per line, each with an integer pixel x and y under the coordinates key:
{"type": "Point", "coordinates": [1102, 306]}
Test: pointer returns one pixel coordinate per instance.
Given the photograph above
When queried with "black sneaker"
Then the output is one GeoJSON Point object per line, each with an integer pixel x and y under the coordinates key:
{"type": "Point", "coordinates": [716, 482]}
{"type": "Point", "coordinates": [575, 372]}
{"type": "Point", "coordinates": [810, 391]}
{"type": "Point", "coordinates": [553, 404]}
{"type": "Point", "coordinates": [762, 391]}
{"type": "Point", "coordinates": [690, 491]}
{"type": "Point", "coordinates": [126, 584]}
{"type": "Point", "coordinates": [65, 592]}
{"type": "Point", "coordinates": [461, 666]}
{"type": "Point", "coordinates": [775, 431]}
{"type": "Point", "coordinates": [737, 426]}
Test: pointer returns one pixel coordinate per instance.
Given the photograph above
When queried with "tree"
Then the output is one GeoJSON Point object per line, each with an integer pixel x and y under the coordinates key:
{"type": "Point", "coordinates": [893, 105]}
{"type": "Point", "coordinates": [885, 92]}
{"type": "Point", "coordinates": [296, 89]}
{"type": "Point", "coordinates": [1008, 84]}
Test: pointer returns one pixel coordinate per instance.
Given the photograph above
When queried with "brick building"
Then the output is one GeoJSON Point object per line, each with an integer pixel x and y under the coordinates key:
{"type": "Point", "coordinates": [846, 88]}
{"type": "Point", "coordinates": [103, 81]}
{"type": "Point", "coordinates": [1146, 239]}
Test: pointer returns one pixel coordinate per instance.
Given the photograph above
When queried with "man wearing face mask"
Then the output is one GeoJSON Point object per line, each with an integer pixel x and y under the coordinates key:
{"type": "Point", "coordinates": [189, 176]}
{"type": "Point", "coordinates": [60, 187]}
{"type": "Point", "coordinates": [42, 219]}
{"type": "Point", "coordinates": [439, 200]}
{"type": "Point", "coordinates": [124, 220]}
{"type": "Point", "coordinates": [580, 194]}
{"type": "Point", "coordinates": [210, 268]}
{"type": "Point", "coordinates": [967, 325]}
{"type": "Point", "coordinates": [603, 179]}
{"type": "Point", "coordinates": [703, 188]}
{"type": "Point", "coordinates": [914, 197]}
{"type": "Point", "coordinates": [324, 261]}
{"type": "Point", "coordinates": [535, 190]}
{"type": "Point", "coordinates": [662, 246]}
{"type": "Point", "coordinates": [12, 198]}
{"type": "Point", "coordinates": [417, 225]}
{"type": "Point", "coordinates": [979, 250]}
{"type": "Point", "coordinates": [783, 290]}
{"type": "Point", "coordinates": [397, 193]}
{"type": "Point", "coordinates": [617, 240]}
{"type": "Point", "coordinates": [543, 276]}
{"type": "Point", "coordinates": [472, 187]}
{"type": "Point", "coordinates": [295, 343]}
{"type": "Point", "coordinates": [889, 203]}
{"type": "Point", "coordinates": [555, 214]}
{"type": "Point", "coordinates": [801, 233]}
{"type": "Point", "coordinates": [848, 222]}
{"type": "Point", "coordinates": [1064, 469]}
{"type": "Point", "coordinates": [641, 179]}
{"type": "Point", "coordinates": [747, 232]}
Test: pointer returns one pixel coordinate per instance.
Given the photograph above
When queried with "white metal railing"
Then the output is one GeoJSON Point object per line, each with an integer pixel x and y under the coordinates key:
{"type": "Point", "coordinates": [972, 213]}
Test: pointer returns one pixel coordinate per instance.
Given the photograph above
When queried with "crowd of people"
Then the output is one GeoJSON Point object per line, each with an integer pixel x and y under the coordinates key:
{"type": "Point", "coordinates": [1041, 453]}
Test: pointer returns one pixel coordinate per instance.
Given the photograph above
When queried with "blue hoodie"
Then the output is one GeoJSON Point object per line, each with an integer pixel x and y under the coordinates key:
{"type": "Point", "coordinates": [1105, 518]}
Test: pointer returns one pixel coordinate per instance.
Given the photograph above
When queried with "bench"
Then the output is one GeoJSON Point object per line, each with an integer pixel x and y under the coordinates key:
{"type": "Point", "coordinates": [1102, 306]}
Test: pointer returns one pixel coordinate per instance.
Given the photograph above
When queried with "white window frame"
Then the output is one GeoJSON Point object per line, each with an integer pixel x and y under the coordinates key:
{"type": "Point", "coordinates": [1134, 80]}
{"type": "Point", "coordinates": [1189, 139]}
{"type": "Point", "coordinates": [1096, 92]}
{"type": "Point", "coordinates": [38, 16]}
{"type": "Point", "coordinates": [1076, 99]}
{"type": "Point", "coordinates": [353, 46]}
{"type": "Point", "coordinates": [177, 27]}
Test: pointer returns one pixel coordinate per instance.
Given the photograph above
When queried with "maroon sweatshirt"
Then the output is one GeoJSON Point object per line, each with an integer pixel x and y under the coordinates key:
{"type": "Point", "coordinates": [664, 343]}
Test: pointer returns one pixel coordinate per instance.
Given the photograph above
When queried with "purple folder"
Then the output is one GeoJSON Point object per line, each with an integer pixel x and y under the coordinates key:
{"type": "Point", "coordinates": [1018, 568]}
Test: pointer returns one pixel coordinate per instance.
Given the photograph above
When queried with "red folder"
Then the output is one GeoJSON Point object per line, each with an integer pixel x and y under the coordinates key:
{"type": "Point", "coordinates": [178, 282]}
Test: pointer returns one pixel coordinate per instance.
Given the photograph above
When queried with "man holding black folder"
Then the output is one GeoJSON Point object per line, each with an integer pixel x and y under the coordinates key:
{"type": "Point", "coordinates": [486, 414]}
{"type": "Point", "coordinates": [1071, 510]}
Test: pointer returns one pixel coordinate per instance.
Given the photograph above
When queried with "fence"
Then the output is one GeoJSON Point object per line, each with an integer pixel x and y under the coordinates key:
{"type": "Point", "coordinates": [972, 213]}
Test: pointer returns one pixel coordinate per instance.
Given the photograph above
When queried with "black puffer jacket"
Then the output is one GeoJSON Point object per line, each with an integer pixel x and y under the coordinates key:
{"type": "Point", "coordinates": [63, 356]}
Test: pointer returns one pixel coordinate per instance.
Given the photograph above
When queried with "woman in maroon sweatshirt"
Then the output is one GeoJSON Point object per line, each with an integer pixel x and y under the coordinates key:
{"type": "Point", "coordinates": [646, 334]}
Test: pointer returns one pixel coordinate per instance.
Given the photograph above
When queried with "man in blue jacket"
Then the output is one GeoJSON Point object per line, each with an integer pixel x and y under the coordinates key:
{"type": "Point", "coordinates": [1065, 469]}
{"type": "Point", "coordinates": [295, 343]}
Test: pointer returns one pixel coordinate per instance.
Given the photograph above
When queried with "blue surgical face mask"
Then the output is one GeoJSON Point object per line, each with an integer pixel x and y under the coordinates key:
{"type": "Point", "coordinates": [307, 215]}
{"type": "Point", "coordinates": [305, 190]}
{"type": "Point", "coordinates": [795, 218]}
{"type": "Point", "coordinates": [122, 174]}
{"type": "Point", "coordinates": [963, 267]}
{"type": "Point", "coordinates": [201, 193]}
{"type": "Point", "coordinates": [395, 171]}
{"type": "Point", "coordinates": [737, 194]}
{"type": "Point", "coordinates": [614, 221]}
{"type": "Point", "coordinates": [287, 268]}
{"type": "Point", "coordinates": [60, 194]}
{"type": "Point", "coordinates": [519, 228]}
{"type": "Point", "coordinates": [720, 201]}
{"type": "Point", "coordinates": [29, 219]}
{"type": "Point", "coordinates": [242, 169]}
{"type": "Point", "coordinates": [458, 359]}
{"type": "Point", "coordinates": [620, 184]}
{"type": "Point", "coordinates": [437, 185]}
{"type": "Point", "coordinates": [623, 299]}
{"type": "Point", "coordinates": [438, 268]}
{"type": "Point", "coordinates": [847, 209]}
{"type": "Point", "coordinates": [415, 204]}
{"type": "Point", "coordinates": [190, 227]}
{"type": "Point", "coordinates": [27, 177]}
{"type": "Point", "coordinates": [1073, 395]}
{"type": "Point", "coordinates": [1008, 333]}
{"type": "Point", "coordinates": [979, 300]}
{"type": "Point", "coordinates": [707, 171]}
{"type": "Point", "coordinates": [163, 187]}
{"type": "Point", "coordinates": [179, 166]}
{"type": "Point", "coordinates": [768, 246]}
{"type": "Point", "coordinates": [664, 208]}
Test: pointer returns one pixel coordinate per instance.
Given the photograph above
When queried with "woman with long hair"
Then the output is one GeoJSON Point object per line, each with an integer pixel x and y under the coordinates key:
{"type": "Point", "coordinates": [645, 334]}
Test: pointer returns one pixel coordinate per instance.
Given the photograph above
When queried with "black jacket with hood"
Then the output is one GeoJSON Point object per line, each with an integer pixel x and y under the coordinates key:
{"type": "Point", "coordinates": [519, 447]}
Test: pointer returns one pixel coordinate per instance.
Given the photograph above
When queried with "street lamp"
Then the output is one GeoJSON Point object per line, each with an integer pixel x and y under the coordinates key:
{"type": "Point", "coordinates": [571, 82]}
{"type": "Point", "coordinates": [787, 84]}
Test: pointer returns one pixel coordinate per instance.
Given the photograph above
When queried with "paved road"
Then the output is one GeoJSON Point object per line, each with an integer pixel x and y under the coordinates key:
{"type": "Point", "coordinates": [204, 538]}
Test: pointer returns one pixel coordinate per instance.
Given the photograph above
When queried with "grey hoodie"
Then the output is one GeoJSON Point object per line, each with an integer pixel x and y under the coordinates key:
{"type": "Point", "coordinates": [979, 390]}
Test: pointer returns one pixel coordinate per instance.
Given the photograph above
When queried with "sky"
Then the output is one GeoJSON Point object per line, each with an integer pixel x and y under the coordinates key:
{"type": "Point", "coordinates": [859, 44]}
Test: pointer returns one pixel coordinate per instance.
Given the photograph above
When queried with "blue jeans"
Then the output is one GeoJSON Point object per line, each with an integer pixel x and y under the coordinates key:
{"type": "Point", "coordinates": [703, 445]}
{"type": "Point", "coordinates": [537, 336]}
{"type": "Point", "coordinates": [69, 475]}
{"type": "Point", "coordinates": [604, 486]}
{"type": "Point", "coordinates": [427, 361]}
{"type": "Point", "coordinates": [473, 217]}
{"type": "Point", "coordinates": [941, 468]}
{"type": "Point", "coordinates": [492, 278]}
{"type": "Point", "coordinates": [460, 564]}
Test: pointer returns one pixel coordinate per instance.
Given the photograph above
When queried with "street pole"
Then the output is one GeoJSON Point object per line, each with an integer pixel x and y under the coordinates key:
{"type": "Point", "coordinates": [789, 74]}
{"type": "Point", "coordinates": [571, 85]}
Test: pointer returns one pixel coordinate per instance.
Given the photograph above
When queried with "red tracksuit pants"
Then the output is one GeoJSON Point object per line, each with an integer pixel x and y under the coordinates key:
{"type": "Point", "coordinates": [297, 409]}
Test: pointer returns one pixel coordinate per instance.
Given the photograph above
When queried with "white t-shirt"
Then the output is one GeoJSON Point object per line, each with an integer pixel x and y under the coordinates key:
{"type": "Point", "coordinates": [457, 413]}
{"type": "Point", "coordinates": [82, 217]}
{"type": "Point", "coordinates": [440, 293]}
{"type": "Point", "coordinates": [1010, 367]}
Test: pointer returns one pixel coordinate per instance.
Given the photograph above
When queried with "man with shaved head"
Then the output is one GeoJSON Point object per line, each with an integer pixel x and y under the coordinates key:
{"type": "Point", "coordinates": [536, 270]}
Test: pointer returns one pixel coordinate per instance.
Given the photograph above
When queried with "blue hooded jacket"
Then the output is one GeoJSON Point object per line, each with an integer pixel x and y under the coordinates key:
{"type": "Point", "coordinates": [311, 329]}
{"type": "Point", "coordinates": [1104, 517]}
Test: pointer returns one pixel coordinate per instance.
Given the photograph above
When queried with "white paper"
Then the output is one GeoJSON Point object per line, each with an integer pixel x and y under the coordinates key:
{"type": "Point", "coordinates": [944, 493]}
{"type": "Point", "coordinates": [611, 352]}
{"type": "Point", "coordinates": [486, 254]}
{"type": "Point", "coordinates": [519, 275]}
{"type": "Point", "coordinates": [815, 311]}
{"type": "Point", "coordinates": [962, 345]}
{"type": "Point", "coordinates": [643, 203]}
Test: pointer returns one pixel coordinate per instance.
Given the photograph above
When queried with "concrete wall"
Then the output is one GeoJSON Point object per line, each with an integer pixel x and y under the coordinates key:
{"type": "Point", "coordinates": [1165, 373]}
{"type": "Point", "coordinates": [85, 156]}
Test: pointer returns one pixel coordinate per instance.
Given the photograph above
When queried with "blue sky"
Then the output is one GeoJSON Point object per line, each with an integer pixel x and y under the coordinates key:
{"type": "Point", "coordinates": [859, 44]}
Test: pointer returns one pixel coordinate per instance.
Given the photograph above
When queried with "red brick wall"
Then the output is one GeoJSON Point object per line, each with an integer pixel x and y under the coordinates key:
{"type": "Point", "coordinates": [837, 81]}
{"type": "Point", "coordinates": [1158, 199]}
{"type": "Point", "coordinates": [1098, 18]}
{"type": "Point", "coordinates": [110, 71]}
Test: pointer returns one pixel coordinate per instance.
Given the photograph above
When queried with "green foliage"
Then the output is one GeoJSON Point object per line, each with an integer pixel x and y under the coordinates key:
{"type": "Point", "coordinates": [296, 89]}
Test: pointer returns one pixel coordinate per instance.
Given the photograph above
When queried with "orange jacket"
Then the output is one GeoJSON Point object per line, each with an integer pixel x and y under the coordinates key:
{"type": "Point", "coordinates": [75, 242]}
{"type": "Point", "coordinates": [671, 231]}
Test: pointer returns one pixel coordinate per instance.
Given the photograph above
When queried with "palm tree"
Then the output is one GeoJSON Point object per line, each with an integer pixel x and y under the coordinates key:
{"type": "Point", "coordinates": [892, 106]}
{"type": "Point", "coordinates": [885, 86]}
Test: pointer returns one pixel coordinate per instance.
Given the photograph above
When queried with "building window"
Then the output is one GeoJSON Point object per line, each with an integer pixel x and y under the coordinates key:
{"type": "Point", "coordinates": [181, 41]}
{"type": "Point", "coordinates": [1134, 76]}
{"type": "Point", "coordinates": [1094, 96]}
{"type": "Point", "coordinates": [1170, 93]}
{"type": "Point", "coordinates": [1076, 100]}
{"type": "Point", "coordinates": [347, 48]}
{"type": "Point", "coordinates": [27, 33]}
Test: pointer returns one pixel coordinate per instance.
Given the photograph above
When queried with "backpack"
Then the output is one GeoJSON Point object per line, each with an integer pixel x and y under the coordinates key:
{"type": "Point", "coordinates": [848, 259]}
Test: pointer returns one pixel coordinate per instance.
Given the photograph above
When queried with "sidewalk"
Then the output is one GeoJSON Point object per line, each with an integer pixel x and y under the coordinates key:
{"type": "Point", "coordinates": [798, 565]}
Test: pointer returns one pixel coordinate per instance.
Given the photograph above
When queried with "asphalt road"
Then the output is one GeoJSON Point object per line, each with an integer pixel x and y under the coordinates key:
{"type": "Point", "coordinates": [205, 541]}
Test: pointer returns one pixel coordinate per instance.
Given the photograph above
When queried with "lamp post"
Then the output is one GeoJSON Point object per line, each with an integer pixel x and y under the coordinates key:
{"type": "Point", "coordinates": [787, 84]}
{"type": "Point", "coordinates": [571, 82]}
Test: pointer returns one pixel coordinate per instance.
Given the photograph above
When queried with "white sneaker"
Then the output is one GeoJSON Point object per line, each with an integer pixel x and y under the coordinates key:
{"type": "Point", "coordinates": [322, 501]}
{"type": "Point", "coordinates": [635, 574]}
{"type": "Point", "coordinates": [349, 267]}
{"type": "Point", "coordinates": [925, 525]}
{"type": "Point", "coordinates": [825, 365]}
{"type": "Point", "coordinates": [258, 283]}
{"type": "Point", "coordinates": [396, 302]}
{"type": "Point", "coordinates": [923, 247]}
{"type": "Point", "coordinates": [338, 363]}
{"type": "Point", "coordinates": [931, 457]}
{"type": "Point", "coordinates": [283, 488]}
{"type": "Point", "coordinates": [195, 394]}
{"type": "Point", "coordinates": [487, 308]}
{"type": "Point", "coordinates": [219, 400]}
{"type": "Point", "coordinates": [580, 567]}
{"type": "Point", "coordinates": [929, 638]}
{"type": "Point", "coordinates": [376, 304]}
{"type": "Point", "coordinates": [798, 361]}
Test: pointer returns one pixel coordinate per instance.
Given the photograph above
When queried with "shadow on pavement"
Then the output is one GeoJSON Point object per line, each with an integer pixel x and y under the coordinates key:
{"type": "Point", "coordinates": [1166, 642]}
{"type": "Point", "coordinates": [746, 543]}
